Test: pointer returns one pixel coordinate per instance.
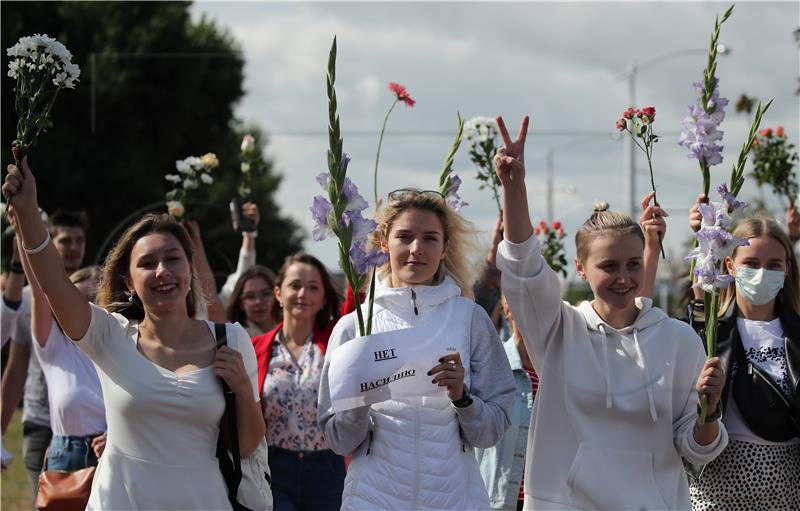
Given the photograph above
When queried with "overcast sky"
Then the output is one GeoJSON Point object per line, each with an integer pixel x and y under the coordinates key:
{"type": "Point", "coordinates": [559, 62]}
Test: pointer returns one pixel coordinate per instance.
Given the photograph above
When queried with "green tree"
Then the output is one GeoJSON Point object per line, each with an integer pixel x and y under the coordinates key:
{"type": "Point", "coordinates": [155, 87]}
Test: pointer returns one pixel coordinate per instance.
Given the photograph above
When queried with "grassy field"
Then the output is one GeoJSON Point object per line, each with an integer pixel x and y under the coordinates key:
{"type": "Point", "coordinates": [14, 494]}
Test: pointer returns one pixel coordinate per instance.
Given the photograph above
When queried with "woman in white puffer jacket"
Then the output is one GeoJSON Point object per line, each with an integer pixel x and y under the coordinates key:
{"type": "Point", "coordinates": [417, 453]}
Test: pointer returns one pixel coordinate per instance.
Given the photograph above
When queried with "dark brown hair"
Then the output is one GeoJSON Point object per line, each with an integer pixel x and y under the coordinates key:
{"type": "Point", "coordinates": [113, 294]}
{"type": "Point", "coordinates": [330, 310]}
{"type": "Point", "coordinates": [235, 312]}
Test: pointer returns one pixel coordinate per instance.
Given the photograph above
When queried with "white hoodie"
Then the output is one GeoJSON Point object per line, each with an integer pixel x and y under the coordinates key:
{"type": "Point", "coordinates": [615, 409]}
{"type": "Point", "coordinates": [417, 453]}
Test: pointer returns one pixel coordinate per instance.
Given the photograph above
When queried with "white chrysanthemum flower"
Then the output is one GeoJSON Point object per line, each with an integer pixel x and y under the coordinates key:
{"type": "Point", "coordinates": [173, 178]}
{"type": "Point", "coordinates": [206, 178]}
{"type": "Point", "coordinates": [14, 68]}
{"type": "Point", "coordinates": [183, 167]}
{"type": "Point", "coordinates": [190, 184]}
{"type": "Point", "coordinates": [195, 162]}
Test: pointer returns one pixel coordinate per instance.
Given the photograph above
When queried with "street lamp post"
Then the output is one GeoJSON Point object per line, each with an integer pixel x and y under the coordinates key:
{"type": "Point", "coordinates": [628, 153]}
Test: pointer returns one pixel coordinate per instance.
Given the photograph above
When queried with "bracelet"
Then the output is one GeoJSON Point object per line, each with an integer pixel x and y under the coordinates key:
{"type": "Point", "coordinates": [464, 401]}
{"type": "Point", "coordinates": [38, 248]}
{"type": "Point", "coordinates": [250, 234]}
{"type": "Point", "coordinates": [711, 416]}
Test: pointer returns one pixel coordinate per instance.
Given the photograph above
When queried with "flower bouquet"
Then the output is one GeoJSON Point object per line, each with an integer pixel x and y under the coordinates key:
{"type": "Point", "coordinates": [639, 125]}
{"type": "Point", "coordinates": [551, 238]}
{"type": "Point", "coordinates": [774, 160]}
{"type": "Point", "coordinates": [41, 66]}
{"type": "Point", "coordinates": [193, 174]}
{"type": "Point", "coordinates": [482, 141]}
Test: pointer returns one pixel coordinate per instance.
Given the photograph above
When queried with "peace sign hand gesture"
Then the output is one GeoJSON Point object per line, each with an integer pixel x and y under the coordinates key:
{"type": "Point", "coordinates": [509, 162]}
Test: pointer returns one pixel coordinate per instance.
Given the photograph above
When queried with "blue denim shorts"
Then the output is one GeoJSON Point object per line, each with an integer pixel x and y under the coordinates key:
{"type": "Point", "coordinates": [70, 453]}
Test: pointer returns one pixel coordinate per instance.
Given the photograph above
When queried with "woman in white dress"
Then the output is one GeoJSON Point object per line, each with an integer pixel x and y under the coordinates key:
{"type": "Point", "coordinates": [159, 367]}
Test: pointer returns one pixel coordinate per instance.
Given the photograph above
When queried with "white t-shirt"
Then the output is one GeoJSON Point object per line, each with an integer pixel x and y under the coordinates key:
{"type": "Point", "coordinates": [73, 387]}
{"type": "Point", "coordinates": [764, 347]}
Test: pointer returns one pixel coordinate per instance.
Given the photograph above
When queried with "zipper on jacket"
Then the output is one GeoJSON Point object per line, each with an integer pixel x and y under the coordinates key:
{"type": "Point", "coordinates": [414, 301]}
{"type": "Point", "coordinates": [369, 442]}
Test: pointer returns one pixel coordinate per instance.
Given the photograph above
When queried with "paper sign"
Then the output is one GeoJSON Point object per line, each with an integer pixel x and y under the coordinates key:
{"type": "Point", "coordinates": [385, 366]}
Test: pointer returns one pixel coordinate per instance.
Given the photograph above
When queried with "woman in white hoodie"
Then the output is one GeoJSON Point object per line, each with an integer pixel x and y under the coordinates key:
{"type": "Point", "coordinates": [617, 401]}
{"type": "Point", "coordinates": [417, 453]}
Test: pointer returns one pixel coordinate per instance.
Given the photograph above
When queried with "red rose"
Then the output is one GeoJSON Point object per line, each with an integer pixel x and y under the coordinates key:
{"type": "Point", "coordinates": [766, 132]}
{"type": "Point", "coordinates": [536, 231]}
{"type": "Point", "coordinates": [755, 141]}
{"type": "Point", "coordinates": [622, 124]}
{"type": "Point", "coordinates": [560, 232]}
{"type": "Point", "coordinates": [401, 93]}
{"type": "Point", "coordinates": [556, 225]}
{"type": "Point", "coordinates": [648, 113]}
{"type": "Point", "coordinates": [779, 132]}
{"type": "Point", "coordinates": [629, 113]}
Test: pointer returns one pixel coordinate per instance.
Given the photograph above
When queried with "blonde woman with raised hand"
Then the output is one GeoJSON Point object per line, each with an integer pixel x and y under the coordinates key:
{"type": "Point", "coordinates": [620, 382]}
{"type": "Point", "coordinates": [159, 367]}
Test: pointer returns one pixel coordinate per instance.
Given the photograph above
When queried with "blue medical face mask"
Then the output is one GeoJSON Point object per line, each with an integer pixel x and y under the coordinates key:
{"type": "Point", "coordinates": [759, 286]}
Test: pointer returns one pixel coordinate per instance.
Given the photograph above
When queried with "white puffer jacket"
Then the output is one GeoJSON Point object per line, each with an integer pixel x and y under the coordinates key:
{"type": "Point", "coordinates": [417, 453]}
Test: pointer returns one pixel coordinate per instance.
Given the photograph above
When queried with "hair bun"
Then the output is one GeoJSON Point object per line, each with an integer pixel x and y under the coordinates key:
{"type": "Point", "coordinates": [600, 207]}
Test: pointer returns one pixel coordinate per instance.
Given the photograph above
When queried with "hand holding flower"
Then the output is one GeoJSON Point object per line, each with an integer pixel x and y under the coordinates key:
{"type": "Point", "coordinates": [711, 382]}
{"type": "Point", "coordinates": [19, 188]}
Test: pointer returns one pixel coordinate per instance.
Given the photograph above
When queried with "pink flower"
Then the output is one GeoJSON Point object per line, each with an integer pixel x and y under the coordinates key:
{"type": "Point", "coordinates": [537, 231]}
{"type": "Point", "coordinates": [402, 94]}
{"type": "Point", "coordinates": [560, 232]}
{"type": "Point", "coordinates": [629, 113]}
{"type": "Point", "coordinates": [621, 124]}
{"type": "Point", "coordinates": [648, 114]}
{"type": "Point", "coordinates": [766, 132]}
{"type": "Point", "coordinates": [543, 227]}
{"type": "Point", "coordinates": [556, 225]}
{"type": "Point", "coordinates": [779, 132]}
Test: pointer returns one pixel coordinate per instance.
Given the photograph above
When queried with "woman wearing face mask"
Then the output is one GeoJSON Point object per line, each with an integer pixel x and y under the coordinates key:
{"type": "Point", "coordinates": [616, 408]}
{"type": "Point", "coordinates": [758, 341]}
{"type": "Point", "coordinates": [417, 452]}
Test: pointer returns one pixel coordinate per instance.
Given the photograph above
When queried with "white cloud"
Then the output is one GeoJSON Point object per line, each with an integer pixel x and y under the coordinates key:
{"type": "Point", "coordinates": [559, 62]}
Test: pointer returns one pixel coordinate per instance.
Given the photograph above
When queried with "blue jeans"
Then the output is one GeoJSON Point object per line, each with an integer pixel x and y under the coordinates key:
{"type": "Point", "coordinates": [306, 481]}
{"type": "Point", "coordinates": [70, 453]}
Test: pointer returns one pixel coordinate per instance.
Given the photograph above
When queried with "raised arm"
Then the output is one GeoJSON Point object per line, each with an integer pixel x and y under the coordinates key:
{"type": "Point", "coordinates": [41, 316]}
{"type": "Point", "coordinates": [510, 168]}
{"type": "Point", "coordinates": [654, 228]}
{"type": "Point", "coordinates": [247, 253]}
{"type": "Point", "coordinates": [214, 309]}
{"type": "Point", "coordinates": [69, 306]}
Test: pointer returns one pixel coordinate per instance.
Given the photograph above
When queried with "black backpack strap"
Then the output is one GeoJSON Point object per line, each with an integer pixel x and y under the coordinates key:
{"type": "Point", "coordinates": [228, 440]}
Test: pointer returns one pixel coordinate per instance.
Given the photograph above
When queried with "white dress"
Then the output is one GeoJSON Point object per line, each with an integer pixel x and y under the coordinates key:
{"type": "Point", "coordinates": [162, 426]}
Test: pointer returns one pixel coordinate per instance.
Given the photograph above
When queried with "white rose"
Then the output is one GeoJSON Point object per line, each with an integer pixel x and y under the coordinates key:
{"type": "Point", "coordinates": [173, 178]}
{"type": "Point", "coordinates": [206, 178]}
{"type": "Point", "coordinates": [175, 208]}
{"type": "Point", "coordinates": [190, 184]}
{"type": "Point", "coordinates": [248, 144]}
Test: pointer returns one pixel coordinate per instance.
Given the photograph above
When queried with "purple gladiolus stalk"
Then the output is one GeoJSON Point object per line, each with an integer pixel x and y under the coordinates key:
{"type": "Point", "coordinates": [340, 214]}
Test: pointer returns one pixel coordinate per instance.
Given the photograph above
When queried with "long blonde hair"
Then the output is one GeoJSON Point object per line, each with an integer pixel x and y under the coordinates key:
{"type": "Point", "coordinates": [756, 228]}
{"type": "Point", "coordinates": [458, 235]}
{"type": "Point", "coordinates": [113, 294]}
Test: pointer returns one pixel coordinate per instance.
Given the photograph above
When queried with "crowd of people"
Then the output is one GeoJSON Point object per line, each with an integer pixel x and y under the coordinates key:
{"type": "Point", "coordinates": [589, 406]}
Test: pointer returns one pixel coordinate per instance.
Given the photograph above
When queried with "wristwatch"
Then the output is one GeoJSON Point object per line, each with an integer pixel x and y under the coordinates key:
{"type": "Point", "coordinates": [711, 416]}
{"type": "Point", "coordinates": [464, 401]}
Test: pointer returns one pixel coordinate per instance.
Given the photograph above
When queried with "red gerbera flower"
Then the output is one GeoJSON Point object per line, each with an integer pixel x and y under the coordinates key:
{"type": "Point", "coordinates": [401, 93]}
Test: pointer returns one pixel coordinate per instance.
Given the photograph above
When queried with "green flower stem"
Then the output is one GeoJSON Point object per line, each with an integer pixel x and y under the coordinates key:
{"type": "Point", "coordinates": [378, 154]}
{"type": "Point", "coordinates": [710, 300]}
{"type": "Point", "coordinates": [371, 300]}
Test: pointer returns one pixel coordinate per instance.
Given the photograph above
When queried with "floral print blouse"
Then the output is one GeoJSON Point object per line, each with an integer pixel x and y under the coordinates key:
{"type": "Point", "coordinates": [290, 393]}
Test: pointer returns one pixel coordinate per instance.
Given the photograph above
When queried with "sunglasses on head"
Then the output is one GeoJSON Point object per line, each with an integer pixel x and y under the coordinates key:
{"type": "Point", "coordinates": [402, 193]}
